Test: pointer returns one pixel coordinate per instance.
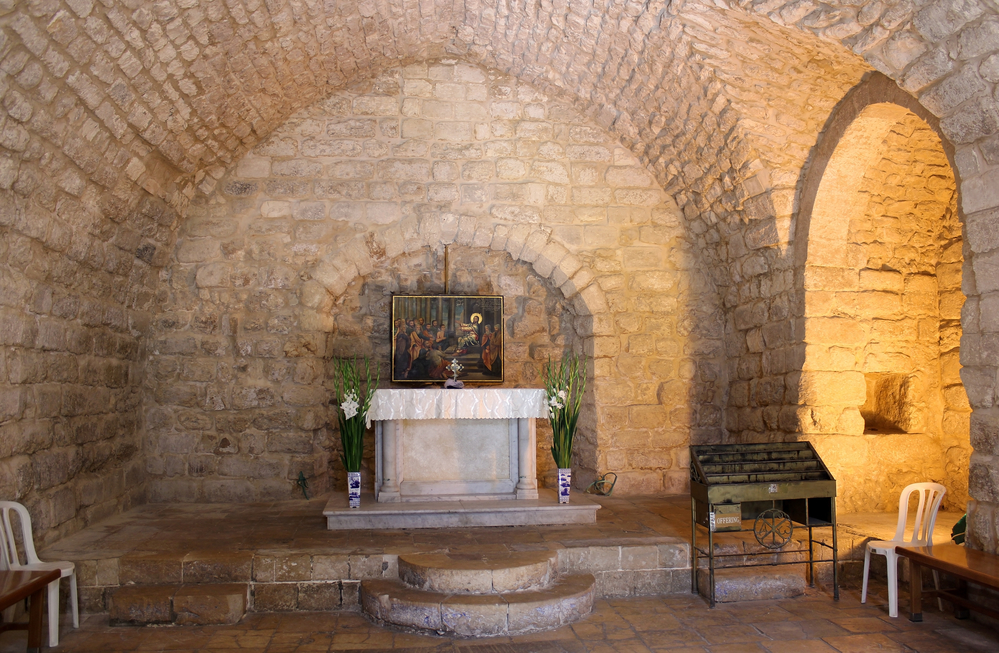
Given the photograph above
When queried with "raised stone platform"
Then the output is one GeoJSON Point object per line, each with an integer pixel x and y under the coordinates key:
{"type": "Point", "coordinates": [205, 563]}
{"type": "Point", "coordinates": [544, 511]}
{"type": "Point", "coordinates": [192, 563]}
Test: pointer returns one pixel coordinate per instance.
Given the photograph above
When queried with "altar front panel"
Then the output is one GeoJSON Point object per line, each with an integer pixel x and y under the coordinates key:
{"type": "Point", "coordinates": [447, 445]}
{"type": "Point", "coordinates": [457, 457]}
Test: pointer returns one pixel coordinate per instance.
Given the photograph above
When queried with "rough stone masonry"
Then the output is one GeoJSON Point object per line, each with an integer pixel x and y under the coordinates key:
{"type": "Point", "coordinates": [185, 241]}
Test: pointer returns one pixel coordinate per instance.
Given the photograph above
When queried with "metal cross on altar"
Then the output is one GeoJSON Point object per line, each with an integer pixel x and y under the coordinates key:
{"type": "Point", "coordinates": [455, 367]}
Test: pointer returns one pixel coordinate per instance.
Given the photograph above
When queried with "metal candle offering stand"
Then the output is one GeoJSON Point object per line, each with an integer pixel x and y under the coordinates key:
{"type": "Point", "coordinates": [775, 484]}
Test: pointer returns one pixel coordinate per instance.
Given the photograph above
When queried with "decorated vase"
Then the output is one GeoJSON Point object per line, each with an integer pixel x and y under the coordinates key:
{"type": "Point", "coordinates": [354, 489]}
{"type": "Point", "coordinates": [564, 483]}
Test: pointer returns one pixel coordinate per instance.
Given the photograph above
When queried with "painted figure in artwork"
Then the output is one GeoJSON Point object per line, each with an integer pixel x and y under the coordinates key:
{"type": "Point", "coordinates": [471, 333]}
{"type": "Point", "coordinates": [492, 355]}
{"type": "Point", "coordinates": [487, 337]}
{"type": "Point", "coordinates": [401, 361]}
{"type": "Point", "coordinates": [430, 331]}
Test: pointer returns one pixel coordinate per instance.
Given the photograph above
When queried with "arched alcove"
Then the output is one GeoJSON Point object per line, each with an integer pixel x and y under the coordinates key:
{"type": "Point", "coordinates": [538, 321]}
{"type": "Point", "coordinates": [880, 391]}
{"type": "Point", "coordinates": [284, 258]}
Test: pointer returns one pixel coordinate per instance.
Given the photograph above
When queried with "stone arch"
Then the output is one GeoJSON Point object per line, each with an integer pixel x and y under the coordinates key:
{"type": "Point", "coordinates": [386, 169]}
{"type": "Point", "coordinates": [531, 244]}
{"type": "Point", "coordinates": [879, 266]}
{"type": "Point", "coordinates": [878, 100]}
{"type": "Point", "coordinates": [539, 322]}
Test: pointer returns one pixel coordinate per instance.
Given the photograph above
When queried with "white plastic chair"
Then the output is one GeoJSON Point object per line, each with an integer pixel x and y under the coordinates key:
{"type": "Point", "coordinates": [10, 554]}
{"type": "Point", "coordinates": [930, 496]}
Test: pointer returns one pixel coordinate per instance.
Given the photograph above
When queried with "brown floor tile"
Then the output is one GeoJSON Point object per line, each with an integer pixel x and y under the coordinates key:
{"type": "Point", "coordinates": [619, 646]}
{"type": "Point", "coordinates": [653, 621]}
{"type": "Point", "coordinates": [672, 638]}
{"type": "Point", "coordinates": [863, 624]}
{"type": "Point", "coordinates": [925, 642]}
{"type": "Point", "coordinates": [865, 643]}
{"type": "Point", "coordinates": [745, 647]}
{"type": "Point", "coordinates": [731, 634]}
{"type": "Point", "coordinates": [797, 646]}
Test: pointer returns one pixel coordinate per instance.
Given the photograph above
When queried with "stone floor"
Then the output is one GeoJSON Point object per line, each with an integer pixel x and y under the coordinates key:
{"type": "Point", "coordinates": [673, 623]}
{"type": "Point", "coordinates": [809, 624]}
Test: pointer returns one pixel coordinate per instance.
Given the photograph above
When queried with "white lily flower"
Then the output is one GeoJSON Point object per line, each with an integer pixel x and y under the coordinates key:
{"type": "Point", "coordinates": [350, 405]}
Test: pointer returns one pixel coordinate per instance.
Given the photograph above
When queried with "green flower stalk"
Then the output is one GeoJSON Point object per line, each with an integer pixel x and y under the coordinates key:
{"type": "Point", "coordinates": [352, 406]}
{"type": "Point", "coordinates": [565, 383]}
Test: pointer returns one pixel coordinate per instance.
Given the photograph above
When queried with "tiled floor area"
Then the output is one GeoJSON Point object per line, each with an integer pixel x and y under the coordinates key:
{"type": "Point", "coordinates": [683, 624]}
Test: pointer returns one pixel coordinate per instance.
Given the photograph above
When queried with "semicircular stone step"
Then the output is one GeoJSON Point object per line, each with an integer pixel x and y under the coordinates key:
{"type": "Point", "coordinates": [479, 615]}
{"type": "Point", "coordinates": [478, 573]}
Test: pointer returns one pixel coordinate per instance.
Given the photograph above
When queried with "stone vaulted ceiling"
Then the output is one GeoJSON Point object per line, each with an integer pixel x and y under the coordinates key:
{"type": "Point", "coordinates": [167, 94]}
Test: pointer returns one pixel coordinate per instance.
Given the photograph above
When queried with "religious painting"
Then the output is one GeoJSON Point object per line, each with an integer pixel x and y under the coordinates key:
{"type": "Point", "coordinates": [432, 334]}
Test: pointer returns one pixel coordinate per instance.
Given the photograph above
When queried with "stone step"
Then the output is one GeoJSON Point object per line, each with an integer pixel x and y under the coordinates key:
{"type": "Point", "coordinates": [195, 567]}
{"type": "Point", "coordinates": [753, 583]}
{"type": "Point", "coordinates": [479, 615]}
{"type": "Point", "coordinates": [479, 573]}
{"type": "Point", "coordinates": [184, 605]}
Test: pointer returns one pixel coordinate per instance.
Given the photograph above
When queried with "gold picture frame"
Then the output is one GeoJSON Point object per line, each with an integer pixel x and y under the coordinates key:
{"type": "Point", "coordinates": [431, 331]}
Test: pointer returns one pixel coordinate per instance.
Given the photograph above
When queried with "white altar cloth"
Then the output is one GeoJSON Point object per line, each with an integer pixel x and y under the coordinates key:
{"type": "Point", "coordinates": [473, 403]}
{"type": "Point", "coordinates": [439, 445]}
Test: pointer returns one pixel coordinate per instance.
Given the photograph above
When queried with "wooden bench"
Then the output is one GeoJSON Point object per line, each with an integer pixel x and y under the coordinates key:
{"type": "Point", "coordinates": [966, 564]}
{"type": "Point", "coordinates": [19, 585]}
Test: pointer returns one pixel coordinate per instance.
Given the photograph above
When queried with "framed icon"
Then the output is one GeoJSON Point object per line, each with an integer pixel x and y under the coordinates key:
{"type": "Point", "coordinates": [429, 332]}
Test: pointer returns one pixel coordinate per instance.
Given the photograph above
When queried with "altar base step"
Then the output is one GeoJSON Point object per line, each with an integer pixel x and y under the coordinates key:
{"type": "Point", "coordinates": [544, 511]}
{"type": "Point", "coordinates": [479, 595]}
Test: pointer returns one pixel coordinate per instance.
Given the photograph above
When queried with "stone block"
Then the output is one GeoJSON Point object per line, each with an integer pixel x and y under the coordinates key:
{"type": "Point", "coordinates": [746, 584]}
{"type": "Point", "coordinates": [275, 597]}
{"type": "Point", "coordinates": [197, 605]}
{"type": "Point", "coordinates": [591, 559]}
{"type": "Point", "coordinates": [828, 388]}
{"type": "Point", "coordinates": [986, 267]}
{"type": "Point", "coordinates": [474, 616]}
{"type": "Point", "coordinates": [150, 568]}
{"type": "Point", "coordinates": [370, 105]}
{"type": "Point", "coordinates": [140, 605]}
{"type": "Point", "coordinates": [350, 593]}
{"type": "Point", "coordinates": [218, 567]}
{"type": "Point", "coordinates": [319, 597]}
{"type": "Point", "coordinates": [882, 280]}
{"type": "Point", "coordinates": [198, 250]}
{"type": "Point", "coordinates": [568, 601]}
{"type": "Point", "coordinates": [95, 600]}
{"type": "Point", "coordinates": [367, 566]}
{"type": "Point", "coordinates": [635, 582]}
{"type": "Point", "coordinates": [391, 602]}
{"type": "Point", "coordinates": [330, 567]}
{"type": "Point", "coordinates": [253, 167]}
{"type": "Point", "coordinates": [639, 557]}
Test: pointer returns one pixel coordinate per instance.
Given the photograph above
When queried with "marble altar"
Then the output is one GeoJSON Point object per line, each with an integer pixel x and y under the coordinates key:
{"type": "Point", "coordinates": [435, 444]}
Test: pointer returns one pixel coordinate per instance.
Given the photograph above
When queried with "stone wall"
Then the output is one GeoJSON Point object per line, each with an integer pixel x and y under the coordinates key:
{"type": "Point", "coordinates": [103, 102]}
{"type": "Point", "coordinates": [73, 310]}
{"type": "Point", "coordinates": [294, 258]}
{"type": "Point", "coordinates": [882, 333]}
